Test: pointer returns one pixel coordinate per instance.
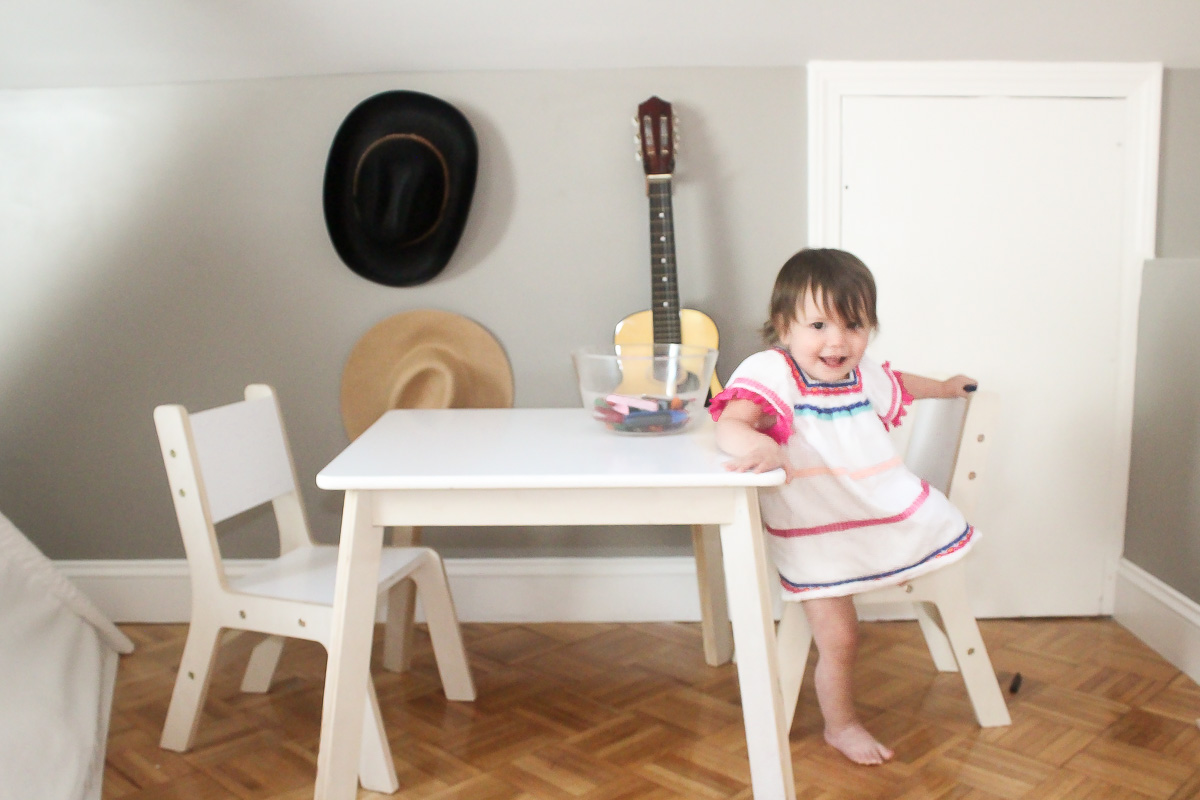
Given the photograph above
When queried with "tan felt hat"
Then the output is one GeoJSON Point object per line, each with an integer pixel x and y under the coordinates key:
{"type": "Point", "coordinates": [423, 359]}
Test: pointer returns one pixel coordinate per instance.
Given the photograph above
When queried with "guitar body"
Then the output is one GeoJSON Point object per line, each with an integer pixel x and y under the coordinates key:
{"type": "Point", "coordinates": [696, 328]}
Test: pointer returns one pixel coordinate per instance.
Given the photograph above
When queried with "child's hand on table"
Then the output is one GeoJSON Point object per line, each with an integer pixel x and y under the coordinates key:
{"type": "Point", "coordinates": [763, 458]}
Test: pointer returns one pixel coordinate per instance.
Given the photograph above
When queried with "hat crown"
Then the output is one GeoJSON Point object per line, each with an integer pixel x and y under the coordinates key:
{"type": "Point", "coordinates": [424, 358]}
{"type": "Point", "coordinates": [401, 186]}
{"type": "Point", "coordinates": [398, 186]}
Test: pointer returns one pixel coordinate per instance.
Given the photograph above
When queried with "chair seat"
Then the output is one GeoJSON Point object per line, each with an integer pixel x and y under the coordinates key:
{"type": "Point", "coordinates": [307, 573]}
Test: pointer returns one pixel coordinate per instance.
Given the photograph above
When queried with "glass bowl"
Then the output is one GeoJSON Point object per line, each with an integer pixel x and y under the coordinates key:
{"type": "Point", "coordinates": [644, 389]}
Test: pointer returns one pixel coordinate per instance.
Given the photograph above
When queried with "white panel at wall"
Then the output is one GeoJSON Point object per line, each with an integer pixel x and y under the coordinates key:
{"type": "Point", "coordinates": [1000, 226]}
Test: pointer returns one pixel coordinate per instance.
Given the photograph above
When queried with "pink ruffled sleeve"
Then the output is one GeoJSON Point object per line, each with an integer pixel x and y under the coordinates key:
{"type": "Point", "coordinates": [760, 379]}
{"type": "Point", "coordinates": [770, 403]}
{"type": "Point", "coordinates": [885, 388]}
{"type": "Point", "coordinates": [906, 398]}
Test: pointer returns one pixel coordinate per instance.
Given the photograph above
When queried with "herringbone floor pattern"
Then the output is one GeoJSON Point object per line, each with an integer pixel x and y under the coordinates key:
{"type": "Point", "coordinates": [631, 712]}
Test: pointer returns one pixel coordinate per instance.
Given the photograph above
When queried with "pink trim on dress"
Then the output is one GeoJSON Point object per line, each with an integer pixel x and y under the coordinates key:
{"type": "Point", "coordinates": [789, 533]}
{"type": "Point", "coordinates": [901, 398]}
{"type": "Point", "coordinates": [849, 386]}
{"type": "Point", "coordinates": [764, 398]}
{"type": "Point", "coordinates": [854, 475]}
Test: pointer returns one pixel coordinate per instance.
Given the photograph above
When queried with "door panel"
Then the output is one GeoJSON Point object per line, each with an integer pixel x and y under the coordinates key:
{"type": "Point", "coordinates": [994, 227]}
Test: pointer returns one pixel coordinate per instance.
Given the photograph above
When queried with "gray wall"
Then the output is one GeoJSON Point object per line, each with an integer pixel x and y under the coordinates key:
{"type": "Point", "coordinates": [1162, 530]}
{"type": "Point", "coordinates": [172, 248]}
{"type": "Point", "coordinates": [1163, 521]}
{"type": "Point", "coordinates": [163, 239]}
{"type": "Point", "coordinates": [1179, 166]}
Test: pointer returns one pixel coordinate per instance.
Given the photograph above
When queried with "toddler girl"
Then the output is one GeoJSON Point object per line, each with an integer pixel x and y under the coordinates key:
{"type": "Point", "coordinates": [851, 517]}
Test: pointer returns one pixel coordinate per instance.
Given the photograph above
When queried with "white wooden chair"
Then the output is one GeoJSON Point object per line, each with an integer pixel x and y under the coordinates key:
{"type": "Point", "coordinates": [227, 460]}
{"type": "Point", "coordinates": [947, 446]}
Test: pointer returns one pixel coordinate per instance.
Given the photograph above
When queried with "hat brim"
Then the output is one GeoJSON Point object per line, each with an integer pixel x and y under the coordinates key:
{"type": "Point", "coordinates": [377, 362]}
{"type": "Point", "coordinates": [385, 114]}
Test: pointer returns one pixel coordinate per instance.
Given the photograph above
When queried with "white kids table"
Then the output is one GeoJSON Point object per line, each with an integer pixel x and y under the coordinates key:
{"type": "Point", "coordinates": [552, 466]}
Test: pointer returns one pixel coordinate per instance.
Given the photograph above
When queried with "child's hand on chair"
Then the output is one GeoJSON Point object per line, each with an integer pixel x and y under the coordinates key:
{"type": "Point", "coordinates": [959, 386]}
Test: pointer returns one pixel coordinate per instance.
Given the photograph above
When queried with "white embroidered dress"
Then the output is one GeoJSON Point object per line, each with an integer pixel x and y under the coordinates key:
{"type": "Point", "coordinates": [855, 518]}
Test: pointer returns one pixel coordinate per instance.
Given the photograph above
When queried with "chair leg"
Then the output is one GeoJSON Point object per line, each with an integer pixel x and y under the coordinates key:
{"type": "Point", "coordinates": [376, 769]}
{"type": "Point", "coordinates": [794, 640]}
{"type": "Point", "coordinates": [715, 627]}
{"type": "Point", "coordinates": [969, 651]}
{"type": "Point", "coordinates": [444, 631]}
{"type": "Point", "coordinates": [398, 626]}
{"type": "Point", "coordinates": [935, 635]}
{"type": "Point", "coordinates": [261, 667]}
{"type": "Point", "coordinates": [401, 606]}
{"type": "Point", "coordinates": [191, 687]}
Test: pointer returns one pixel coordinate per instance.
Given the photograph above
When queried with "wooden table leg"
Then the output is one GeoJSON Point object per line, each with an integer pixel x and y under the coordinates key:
{"type": "Point", "coordinates": [402, 604]}
{"type": "Point", "coordinates": [349, 664]}
{"type": "Point", "coordinates": [714, 610]}
{"type": "Point", "coordinates": [749, 577]}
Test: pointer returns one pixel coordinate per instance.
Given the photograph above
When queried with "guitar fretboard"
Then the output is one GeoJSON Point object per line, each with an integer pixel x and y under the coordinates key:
{"type": "Point", "coordinates": [664, 286]}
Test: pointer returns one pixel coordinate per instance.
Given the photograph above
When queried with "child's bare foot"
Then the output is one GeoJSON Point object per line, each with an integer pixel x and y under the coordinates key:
{"type": "Point", "coordinates": [858, 745]}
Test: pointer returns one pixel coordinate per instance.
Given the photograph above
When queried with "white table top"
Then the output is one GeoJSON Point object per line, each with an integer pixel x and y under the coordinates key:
{"type": "Point", "coordinates": [524, 448]}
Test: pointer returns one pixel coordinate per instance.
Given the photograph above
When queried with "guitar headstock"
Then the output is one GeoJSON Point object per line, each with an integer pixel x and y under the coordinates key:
{"type": "Point", "coordinates": [656, 136]}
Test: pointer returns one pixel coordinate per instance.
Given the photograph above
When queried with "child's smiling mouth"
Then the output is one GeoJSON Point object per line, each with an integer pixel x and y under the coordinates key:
{"type": "Point", "coordinates": [833, 362]}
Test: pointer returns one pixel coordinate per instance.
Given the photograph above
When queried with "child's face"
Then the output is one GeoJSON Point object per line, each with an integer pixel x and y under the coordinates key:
{"type": "Point", "coordinates": [824, 346]}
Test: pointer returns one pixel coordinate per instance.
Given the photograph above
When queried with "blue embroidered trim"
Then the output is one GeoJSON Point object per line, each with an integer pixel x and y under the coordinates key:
{"type": "Point", "coordinates": [804, 410]}
{"type": "Point", "coordinates": [958, 542]}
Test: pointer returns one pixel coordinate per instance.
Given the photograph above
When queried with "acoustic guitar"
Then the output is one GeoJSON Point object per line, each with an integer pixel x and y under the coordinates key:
{"type": "Point", "coordinates": [665, 322]}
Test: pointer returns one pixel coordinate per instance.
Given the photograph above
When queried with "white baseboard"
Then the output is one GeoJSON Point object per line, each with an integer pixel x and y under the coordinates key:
{"type": "Point", "coordinates": [651, 589]}
{"type": "Point", "coordinates": [659, 589]}
{"type": "Point", "coordinates": [1162, 617]}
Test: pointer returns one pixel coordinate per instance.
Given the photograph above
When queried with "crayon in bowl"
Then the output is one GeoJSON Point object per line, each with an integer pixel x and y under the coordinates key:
{"type": "Point", "coordinates": [641, 413]}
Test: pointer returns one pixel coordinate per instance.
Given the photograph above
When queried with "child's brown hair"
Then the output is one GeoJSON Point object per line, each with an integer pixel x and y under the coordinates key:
{"type": "Point", "coordinates": [840, 284]}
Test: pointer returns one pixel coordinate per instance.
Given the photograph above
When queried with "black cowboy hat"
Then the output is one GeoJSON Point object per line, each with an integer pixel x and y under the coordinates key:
{"type": "Point", "coordinates": [398, 184]}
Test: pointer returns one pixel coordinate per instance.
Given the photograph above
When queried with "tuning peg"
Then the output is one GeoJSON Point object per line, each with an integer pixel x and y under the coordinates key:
{"type": "Point", "coordinates": [634, 120]}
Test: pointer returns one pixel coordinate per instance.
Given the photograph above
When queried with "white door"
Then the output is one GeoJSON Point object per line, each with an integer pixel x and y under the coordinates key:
{"type": "Point", "coordinates": [1006, 231]}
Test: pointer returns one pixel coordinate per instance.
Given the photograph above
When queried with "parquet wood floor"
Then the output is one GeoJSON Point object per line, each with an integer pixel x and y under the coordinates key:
{"type": "Point", "coordinates": [631, 712]}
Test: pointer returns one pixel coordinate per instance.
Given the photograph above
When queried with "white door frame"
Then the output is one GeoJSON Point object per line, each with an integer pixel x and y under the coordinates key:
{"type": "Point", "coordinates": [1140, 85]}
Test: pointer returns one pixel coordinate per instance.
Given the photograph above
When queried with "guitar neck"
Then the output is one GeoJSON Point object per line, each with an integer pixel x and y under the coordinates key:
{"type": "Point", "coordinates": [664, 287]}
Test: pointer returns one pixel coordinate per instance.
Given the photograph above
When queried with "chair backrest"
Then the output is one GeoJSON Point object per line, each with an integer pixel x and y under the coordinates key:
{"type": "Point", "coordinates": [947, 445]}
{"type": "Point", "coordinates": [222, 462]}
{"type": "Point", "coordinates": [243, 457]}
